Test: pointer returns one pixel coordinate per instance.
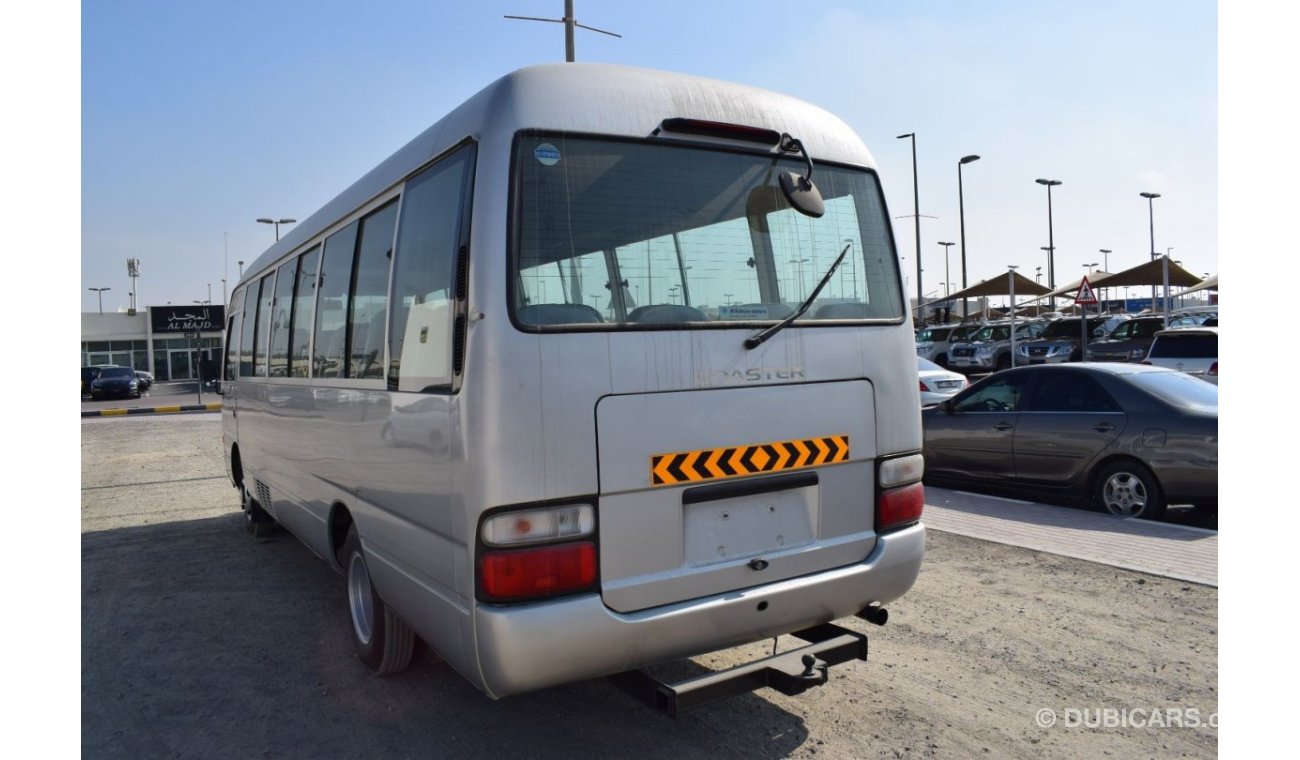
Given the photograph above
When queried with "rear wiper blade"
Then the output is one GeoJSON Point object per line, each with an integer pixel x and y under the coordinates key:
{"type": "Point", "coordinates": [754, 341]}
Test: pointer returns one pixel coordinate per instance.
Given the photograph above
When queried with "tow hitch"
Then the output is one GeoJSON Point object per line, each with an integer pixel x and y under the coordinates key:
{"type": "Point", "coordinates": [790, 673]}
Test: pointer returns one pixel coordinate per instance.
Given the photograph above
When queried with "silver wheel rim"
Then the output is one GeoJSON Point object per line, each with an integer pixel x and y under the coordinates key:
{"type": "Point", "coordinates": [1124, 494]}
{"type": "Point", "coordinates": [360, 600]}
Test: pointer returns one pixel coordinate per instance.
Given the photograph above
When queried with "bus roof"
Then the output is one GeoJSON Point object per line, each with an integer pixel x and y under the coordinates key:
{"type": "Point", "coordinates": [592, 98]}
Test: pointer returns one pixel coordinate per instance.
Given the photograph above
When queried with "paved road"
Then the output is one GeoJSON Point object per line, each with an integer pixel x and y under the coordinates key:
{"type": "Point", "coordinates": [199, 642]}
{"type": "Point", "coordinates": [160, 394]}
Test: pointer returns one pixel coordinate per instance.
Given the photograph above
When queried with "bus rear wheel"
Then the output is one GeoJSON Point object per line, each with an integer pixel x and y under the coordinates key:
{"type": "Point", "coordinates": [257, 521]}
{"type": "Point", "coordinates": [383, 641]}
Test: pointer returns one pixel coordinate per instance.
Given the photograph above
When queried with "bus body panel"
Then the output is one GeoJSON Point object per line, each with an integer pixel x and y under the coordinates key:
{"type": "Point", "coordinates": [706, 547]}
{"type": "Point", "coordinates": [545, 644]}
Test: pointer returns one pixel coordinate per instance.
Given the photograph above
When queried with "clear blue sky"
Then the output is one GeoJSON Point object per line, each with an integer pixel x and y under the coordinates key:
{"type": "Point", "coordinates": [198, 118]}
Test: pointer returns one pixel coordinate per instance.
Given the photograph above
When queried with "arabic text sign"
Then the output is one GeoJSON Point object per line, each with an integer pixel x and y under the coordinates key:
{"type": "Point", "coordinates": [181, 319]}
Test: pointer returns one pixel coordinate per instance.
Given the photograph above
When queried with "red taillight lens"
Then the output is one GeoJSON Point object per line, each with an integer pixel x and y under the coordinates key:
{"type": "Point", "coordinates": [1214, 369]}
{"type": "Point", "coordinates": [512, 575]}
{"type": "Point", "coordinates": [896, 507]}
{"type": "Point", "coordinates": [923, 388]}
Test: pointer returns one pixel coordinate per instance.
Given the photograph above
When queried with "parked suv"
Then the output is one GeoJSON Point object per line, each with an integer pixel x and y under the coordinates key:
{"type": "Point", "coordinates": [989, 348]}
{"type": "Point", "coordinates": [1194, 350]}
{"type": "Point", "coordinates": [1128, 342]}
{"type": "Point", "coordinates": [1059, 342]}
{"type": "Point", "coordinates": [932, 343]}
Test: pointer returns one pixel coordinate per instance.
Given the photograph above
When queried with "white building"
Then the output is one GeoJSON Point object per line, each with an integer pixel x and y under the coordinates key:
{"type": "Point", "coordinates": [169, 341]}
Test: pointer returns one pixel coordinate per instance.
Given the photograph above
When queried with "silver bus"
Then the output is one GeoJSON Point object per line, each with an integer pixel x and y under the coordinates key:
{"type": "Point", "coordinates": [606, 368]}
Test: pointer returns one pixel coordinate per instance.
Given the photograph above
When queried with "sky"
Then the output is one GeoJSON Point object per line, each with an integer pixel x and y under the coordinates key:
{"type": "Point", "coordinates": [199, 118]}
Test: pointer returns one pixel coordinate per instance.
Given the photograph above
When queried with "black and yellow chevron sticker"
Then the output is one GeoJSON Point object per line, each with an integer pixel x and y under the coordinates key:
{"type": "Point", "coordinates": [752, 459]}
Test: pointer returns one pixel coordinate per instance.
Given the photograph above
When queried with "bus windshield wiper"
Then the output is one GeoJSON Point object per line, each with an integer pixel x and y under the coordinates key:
{"type": "Point", "coordinates": [754, 341]}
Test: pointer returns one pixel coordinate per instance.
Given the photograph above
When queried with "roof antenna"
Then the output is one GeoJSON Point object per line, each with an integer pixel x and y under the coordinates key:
{"type": "Point", "coordinates": [569, 23]}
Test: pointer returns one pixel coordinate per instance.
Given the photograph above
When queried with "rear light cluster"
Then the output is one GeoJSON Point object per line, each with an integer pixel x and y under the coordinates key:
{"type": "Point", "coordinates": [900, 495]}
{"type": "Point", "coordinates": [924, 389]}
{"type": "Point", "coordinates": [537, 552]}
{"type": "Point", "coordinates": [1214, 370]}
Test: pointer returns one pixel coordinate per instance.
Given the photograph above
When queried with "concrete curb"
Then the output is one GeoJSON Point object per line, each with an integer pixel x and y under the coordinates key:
{"type": "Point", "coordinates": [154, 410]}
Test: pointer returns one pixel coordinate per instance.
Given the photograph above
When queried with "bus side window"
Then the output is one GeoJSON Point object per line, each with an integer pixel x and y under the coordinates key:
{"type": "Point", "coordinates": [282, 316]}
{"type": "Point", "coordinates": [262, 335]}
{"type": "Point", "coordinates": [369, 305]}
{"type": "Point", "coordinates": [332, 303]}
{"type": "Point", "coordinates": [304, 313]}
{"type": "Point", "coordinates": [423, 305]}
{"type": "Point", "coordinates": [249, 329]}
{"type": "Point", "coordinates": [233, 324]}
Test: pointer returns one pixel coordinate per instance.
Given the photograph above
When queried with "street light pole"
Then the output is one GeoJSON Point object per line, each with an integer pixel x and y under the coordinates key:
{"type": "Point", "coordinates": [947, 275]}
{"type": "Point", "coordinates": [961, 206]}
{"type": "Point", "coordinates": [277, 223]}
{"type": "Point", "coordinates": [916, 215]}
{"type": "Point", "coordinates": [1011, 290]}
{"type": "Point", "coordinates": [1051, 243]}
{"type": "Point", "coordinates": [1151, 215]}
{"type": "Point", "coordinates": [100, 291]}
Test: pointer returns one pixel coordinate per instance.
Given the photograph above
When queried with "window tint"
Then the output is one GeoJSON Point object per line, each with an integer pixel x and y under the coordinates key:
{"type": "Point", "coordinates": [1147, 329]}
{"type": "Point", "coordinates": [263, 317]}
{"type": "Point", "coordinates": [369, 303]}
{"type": "Point", "coordinates": [420, 325]}
{"type": "Point", "coordinates": [304, 311]}
{"type": "Point", "coordinates": [249, 330]}
{"type": "Point", "coordinates": [1000, 393]}
{"type": "Point", "coordinates": [281, 317]}
{"type": "Point", "coordinates": [670, 234]}
{"type": "Point", "coordinates": [332, 304]}
{"type": "Point", "coordinates": [1176, 346]}
{"type": "Point", "coordinates": [1070, 392]}
{"type": "Point", "coordinates": [233, 325]}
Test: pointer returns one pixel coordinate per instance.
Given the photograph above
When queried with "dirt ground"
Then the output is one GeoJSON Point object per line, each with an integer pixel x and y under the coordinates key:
{"type": "Point", "coordinates": [198, 641]}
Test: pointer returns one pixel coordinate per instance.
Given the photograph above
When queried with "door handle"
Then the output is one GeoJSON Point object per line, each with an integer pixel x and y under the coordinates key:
{"type": "Point", "coordinates": [1103, 427]}
{"type": "Point", "coordinates": [1004, 425]}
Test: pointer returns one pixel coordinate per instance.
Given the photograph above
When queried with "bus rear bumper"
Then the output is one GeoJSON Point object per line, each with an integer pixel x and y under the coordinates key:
{"type": "Point", "coordinates": [534, 646]}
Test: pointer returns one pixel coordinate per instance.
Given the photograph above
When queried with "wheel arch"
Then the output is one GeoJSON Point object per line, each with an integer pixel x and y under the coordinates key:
{"type": "Point", "coordinates": [340, 520]}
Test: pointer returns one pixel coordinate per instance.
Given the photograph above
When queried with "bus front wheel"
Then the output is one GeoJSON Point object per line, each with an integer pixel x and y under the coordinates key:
{"type": "Point", "coordinates": [383, 641]}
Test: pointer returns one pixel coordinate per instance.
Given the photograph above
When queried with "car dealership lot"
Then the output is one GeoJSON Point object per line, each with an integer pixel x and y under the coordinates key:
{"type": "Point", "coordinates": [199, 641]}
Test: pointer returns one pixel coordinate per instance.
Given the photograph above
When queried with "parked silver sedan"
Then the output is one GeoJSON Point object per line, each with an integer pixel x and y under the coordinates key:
{"type": "Point", "coordinates": [1130, 438]}
{"type": "Point", "coordinates": [937, 383]}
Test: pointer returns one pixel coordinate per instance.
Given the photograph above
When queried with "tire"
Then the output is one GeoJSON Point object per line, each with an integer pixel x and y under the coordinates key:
{"type": "Point", "coordinates": [942, 360]}
{"type": "Point", "coordinates": [1004, 362]}
{"type": "Point", "coordinates": [383, 641]}
{"type": "Point", "coordinates": [1125, 488]}
{"type": "Point", "coordinates": [257, 521]}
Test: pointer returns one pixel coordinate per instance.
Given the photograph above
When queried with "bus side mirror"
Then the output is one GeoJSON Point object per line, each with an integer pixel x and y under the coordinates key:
{"type": "Point", "coordinates": [802, 194]}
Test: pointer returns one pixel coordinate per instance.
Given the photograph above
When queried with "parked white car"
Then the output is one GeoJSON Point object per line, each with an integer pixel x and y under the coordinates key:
{"type": "Point", "coordinates": [937, 383]}
{"type": "Point", "coordinates": [1194, 350]}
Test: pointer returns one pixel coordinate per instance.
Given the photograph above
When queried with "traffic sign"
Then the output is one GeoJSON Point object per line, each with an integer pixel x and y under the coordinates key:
{"type": "Point", "coordinates": [1086, 296]}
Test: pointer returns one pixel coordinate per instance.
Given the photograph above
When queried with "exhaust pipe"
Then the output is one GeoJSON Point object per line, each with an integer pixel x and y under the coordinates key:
{"type": "Point", "coordinates": [874, 613]}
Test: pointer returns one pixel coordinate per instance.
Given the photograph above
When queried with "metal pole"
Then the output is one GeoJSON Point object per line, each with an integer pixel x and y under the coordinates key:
{"type": "Point", "coordinates": [1151, 212]}
{"type": "Point", "coordinates": [916, 216]}
{"type": "Point", "coordinates": [1011, 286]}
{"type": "Point", "coordinates": [569, 22]}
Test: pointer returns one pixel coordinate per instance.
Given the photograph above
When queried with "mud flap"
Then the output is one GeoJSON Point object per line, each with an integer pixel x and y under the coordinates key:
{"type": "Point", "coordinates": [790, 673]}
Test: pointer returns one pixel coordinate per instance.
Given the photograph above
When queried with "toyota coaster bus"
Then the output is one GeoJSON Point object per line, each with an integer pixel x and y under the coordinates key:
{"type": "Point", "coordinates": [608, 367]}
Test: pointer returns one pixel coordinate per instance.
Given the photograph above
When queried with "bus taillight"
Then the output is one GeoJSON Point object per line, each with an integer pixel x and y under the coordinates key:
{"type": "Point", "coordinates": [514, 575]}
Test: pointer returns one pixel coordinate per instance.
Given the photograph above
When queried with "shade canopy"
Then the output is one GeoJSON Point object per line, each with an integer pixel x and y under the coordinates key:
{"type": "Point", "coordinates": [1073, 288]}
{"type": "Point", "coordinates": [1209, 283]}
{"type": "Point", "coordinates": [996, 286]}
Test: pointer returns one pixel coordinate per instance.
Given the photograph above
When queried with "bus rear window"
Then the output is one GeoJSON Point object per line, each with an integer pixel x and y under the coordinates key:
{"type": "Point", "coordinates": [620, 234]}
